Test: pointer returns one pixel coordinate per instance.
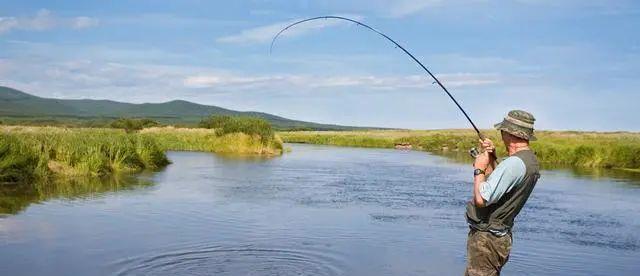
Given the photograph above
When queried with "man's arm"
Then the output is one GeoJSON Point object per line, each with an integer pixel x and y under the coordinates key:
{"type": "Point", "coordinates": [508, 174]}
{"type": "Point", "coordinates": [477, 196]}
{"type": "Point", "coordinates": [482, 162]}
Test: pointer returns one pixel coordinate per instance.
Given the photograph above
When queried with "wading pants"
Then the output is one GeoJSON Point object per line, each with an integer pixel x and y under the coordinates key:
{"type": "Point", "coordinates": [486, 253]}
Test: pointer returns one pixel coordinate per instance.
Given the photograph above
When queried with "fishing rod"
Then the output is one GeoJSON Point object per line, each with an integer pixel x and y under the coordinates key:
{"type": "Point", "coordinates": [480, 135]}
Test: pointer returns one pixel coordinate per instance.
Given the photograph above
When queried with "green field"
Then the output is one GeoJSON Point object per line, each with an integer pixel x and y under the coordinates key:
{"type": "Point", "coordinates": [31, 153]}
{"type": "Point", "coordinates": [619, 150]}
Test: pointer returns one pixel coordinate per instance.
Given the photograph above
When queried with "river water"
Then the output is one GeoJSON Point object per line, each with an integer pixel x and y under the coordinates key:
{"type": "Point", "coordinates": [317, 210]}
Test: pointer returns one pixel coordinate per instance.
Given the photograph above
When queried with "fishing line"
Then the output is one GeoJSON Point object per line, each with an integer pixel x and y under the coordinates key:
{"type": "Point", "coordinates": [397, 46]}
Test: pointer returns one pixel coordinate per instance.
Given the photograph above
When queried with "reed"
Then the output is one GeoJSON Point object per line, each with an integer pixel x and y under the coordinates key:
{"type": "Point", "coordinates": [72, 152]}
{"type": "Point", "coordinates": [197, 139]}
{"type": "Point", "coordinates": [29, 153]}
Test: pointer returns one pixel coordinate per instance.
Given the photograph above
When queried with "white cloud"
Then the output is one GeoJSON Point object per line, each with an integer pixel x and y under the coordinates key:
{"type": "Point", "coordinates": [401, 8]}
{"type": "Point", "coordinates": [7, 23]}
{"type": "Point", "coordinates": [45, 20]}
{"type": "Point", "coordinates": [265, 33]}
{"type": "Point", "coordinates": [229, 81]}
{"type": "Point", "coordinates": [4, 67]}
{"type": "Point", "coordinates": [232, 81]}
{"type": "Point", "coordinates": [477, 8]}
{"type": "Point", "coordinates": [83, 22]}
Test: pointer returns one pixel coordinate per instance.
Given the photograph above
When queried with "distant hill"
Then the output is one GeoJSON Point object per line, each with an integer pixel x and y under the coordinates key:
{"type": "Point", "coordinates": [19, 105]}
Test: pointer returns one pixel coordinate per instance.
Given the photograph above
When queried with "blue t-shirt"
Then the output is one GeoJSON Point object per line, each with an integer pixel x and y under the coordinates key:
{"type": "Point", "coordinates": [506, 176]}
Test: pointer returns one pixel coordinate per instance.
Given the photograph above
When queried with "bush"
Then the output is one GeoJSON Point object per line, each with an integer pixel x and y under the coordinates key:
{"type": "Point", "coordinates": [247, 125]}
{"type": "Point", "coordinates": [215, 121]}
{"type": "Point", "coordinates": [131, 125]}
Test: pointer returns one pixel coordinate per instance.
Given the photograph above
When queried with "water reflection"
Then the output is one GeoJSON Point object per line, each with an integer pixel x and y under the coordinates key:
{"type": "Point", "coordinates": [14, 198]}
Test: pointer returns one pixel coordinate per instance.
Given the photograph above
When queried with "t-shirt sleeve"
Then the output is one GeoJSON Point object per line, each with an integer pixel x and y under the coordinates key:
{"type": "Point", "coordinates": [505, 177]}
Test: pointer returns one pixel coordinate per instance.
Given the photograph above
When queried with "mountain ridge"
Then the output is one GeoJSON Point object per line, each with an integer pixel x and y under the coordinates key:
{"type": "Point", "coordinates": [18, 104]}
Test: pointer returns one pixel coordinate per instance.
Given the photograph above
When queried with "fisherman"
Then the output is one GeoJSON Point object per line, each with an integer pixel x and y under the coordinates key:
{"type": "Point", "coordinates": [499, 193]}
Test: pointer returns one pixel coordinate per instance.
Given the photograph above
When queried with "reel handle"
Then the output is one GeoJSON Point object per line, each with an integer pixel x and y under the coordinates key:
{"type": "Point", "coordinates": [474, 152]}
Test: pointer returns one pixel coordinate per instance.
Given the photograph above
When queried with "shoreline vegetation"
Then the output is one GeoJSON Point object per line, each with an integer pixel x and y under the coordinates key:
{"type": "Point", "coordinates": [131, 145]}
{"type": "Point", "coordinates": [29, 153]}
{"type": "Point", "coordinates": [611, 150]}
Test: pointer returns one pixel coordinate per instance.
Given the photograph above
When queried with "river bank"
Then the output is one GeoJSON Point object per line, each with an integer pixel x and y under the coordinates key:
{"type": "Point", "coordinates": [619, 150]}
{"type": "Point", "coordinates": [29, 153]}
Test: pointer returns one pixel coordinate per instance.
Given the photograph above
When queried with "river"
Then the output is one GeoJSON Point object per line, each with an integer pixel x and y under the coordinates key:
{"type": "Point", "coordinates": [318, 210]}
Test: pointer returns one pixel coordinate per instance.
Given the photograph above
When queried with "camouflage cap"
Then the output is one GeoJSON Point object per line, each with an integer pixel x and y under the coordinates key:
{"type": "Point", "coordinates": [518, 123]}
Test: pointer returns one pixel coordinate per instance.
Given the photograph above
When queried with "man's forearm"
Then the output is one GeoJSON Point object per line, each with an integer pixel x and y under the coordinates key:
{"type": "Point", "coordinates": [477, 197]}
{"type": "Point", "coordinates": [492, 166]}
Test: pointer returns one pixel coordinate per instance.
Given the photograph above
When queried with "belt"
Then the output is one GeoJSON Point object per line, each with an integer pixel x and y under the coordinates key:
{"type": "Point", "coordinates": [497, 233]}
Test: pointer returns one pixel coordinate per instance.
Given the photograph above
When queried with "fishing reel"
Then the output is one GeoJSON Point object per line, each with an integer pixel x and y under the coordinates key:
{"type": "Point", "coordinates": [474, 152]}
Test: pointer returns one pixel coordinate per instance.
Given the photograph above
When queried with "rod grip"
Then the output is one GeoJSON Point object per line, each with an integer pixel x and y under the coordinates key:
{"type": "Point", "coordinates": [492, 155]}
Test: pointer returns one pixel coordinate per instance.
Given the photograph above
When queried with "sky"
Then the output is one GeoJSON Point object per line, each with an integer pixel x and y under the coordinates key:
{"type": "Point", "coordinates": [574, 64]}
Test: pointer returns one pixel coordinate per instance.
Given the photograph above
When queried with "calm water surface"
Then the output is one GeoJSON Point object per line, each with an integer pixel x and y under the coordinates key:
{"type": "Point", "coordinates": [315, 211]}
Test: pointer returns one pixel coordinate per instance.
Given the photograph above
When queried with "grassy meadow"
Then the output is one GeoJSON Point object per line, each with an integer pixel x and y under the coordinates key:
{"type": "Point", "coordinates": [31, 153]}
{"type": "Point", "coordinates": [619, 150]}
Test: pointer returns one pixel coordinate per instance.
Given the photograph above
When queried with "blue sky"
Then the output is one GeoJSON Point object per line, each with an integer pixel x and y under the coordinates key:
{"type": "Point", "coordinates": [575, 64]}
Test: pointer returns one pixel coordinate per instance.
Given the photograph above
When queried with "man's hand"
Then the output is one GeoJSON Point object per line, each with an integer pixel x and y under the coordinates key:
{"type": "Point", "coordinates": [487, 145]}
{"type": "Point", "coordinates": [482, 161]}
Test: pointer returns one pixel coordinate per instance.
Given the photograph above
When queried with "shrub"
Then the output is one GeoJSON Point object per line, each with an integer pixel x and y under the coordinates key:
{"type": "Point", "coordinates": [215, 121]}
{"type": "Point", "coordinates": [247, 125]}
{"type": "Point", "coordinates": [131, 125]}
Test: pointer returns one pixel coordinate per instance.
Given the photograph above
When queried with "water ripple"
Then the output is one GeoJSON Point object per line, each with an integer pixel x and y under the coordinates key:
{"type": "Point", "coordinates": [230, 260]}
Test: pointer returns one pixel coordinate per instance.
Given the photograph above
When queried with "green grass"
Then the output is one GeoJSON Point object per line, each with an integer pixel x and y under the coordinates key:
{"type": "Point", "coordinates": [74, 152]}
{"type": "Point", "coordinates": [18, 161]}
{"type": "Point", "coordinates": [192, 139]}
{"type": "Point", "coordinates": [247, 125]}
{"type": "Point", "coordinates": [582, 149]}
{"type": "Point", "coordinates": [30, 153]}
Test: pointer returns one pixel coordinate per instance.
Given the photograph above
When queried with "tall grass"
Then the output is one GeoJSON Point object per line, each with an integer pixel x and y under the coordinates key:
{"type": "Point", "coordinates": [28, 153]}
{"type": "Point", "coordinates": [18, 161]}
{"type": "Point", "coordinates": [252, 126]}
{"type": "Point", "coordinates": [37, 152]}
{"type": "Point", "coordinates": [211, 140]}
{"type": "Point", "coordinates": [581, 149]}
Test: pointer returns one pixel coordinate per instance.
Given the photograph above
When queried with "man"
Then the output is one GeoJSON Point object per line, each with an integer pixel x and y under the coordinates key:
{"type": "Point", "coordinates": [499, 193]}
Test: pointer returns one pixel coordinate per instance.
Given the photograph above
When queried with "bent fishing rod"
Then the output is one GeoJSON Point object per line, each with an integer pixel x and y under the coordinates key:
{"type": "Point", "coordinates": [480, 135]}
